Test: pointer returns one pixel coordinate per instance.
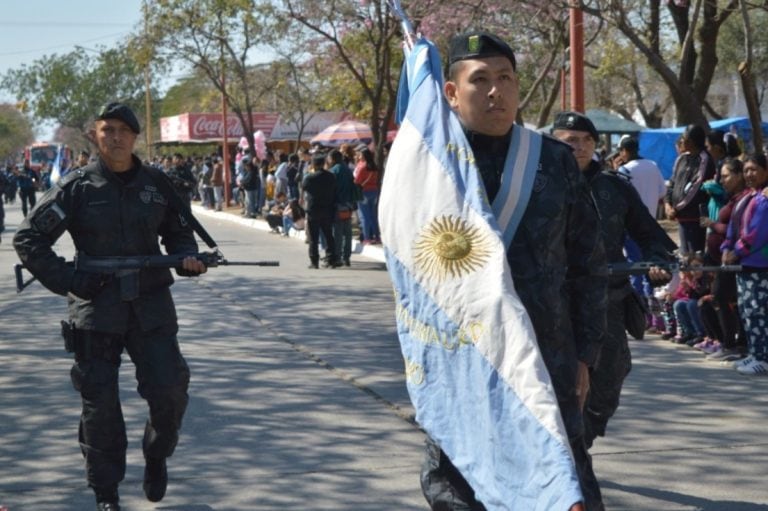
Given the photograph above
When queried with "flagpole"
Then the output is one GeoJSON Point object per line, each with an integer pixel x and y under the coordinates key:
{"type": "Point", "coordinates": [408, 32]}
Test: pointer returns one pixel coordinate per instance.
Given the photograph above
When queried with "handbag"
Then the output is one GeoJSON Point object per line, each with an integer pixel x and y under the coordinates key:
{"type": "Point", "coordinates": [357, 193]}
{"type": "Point", "coordinates": [635, 315]}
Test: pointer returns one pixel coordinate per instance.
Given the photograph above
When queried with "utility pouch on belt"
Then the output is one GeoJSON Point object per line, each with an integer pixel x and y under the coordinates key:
{"type": "Point", "coordinates": [129, 284]}
{"type": "Point", "coordinates": [68, 333]}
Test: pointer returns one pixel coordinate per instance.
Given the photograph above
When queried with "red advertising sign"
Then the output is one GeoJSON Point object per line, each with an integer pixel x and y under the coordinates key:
{"type": "Point", "coordinates": [191, 127]}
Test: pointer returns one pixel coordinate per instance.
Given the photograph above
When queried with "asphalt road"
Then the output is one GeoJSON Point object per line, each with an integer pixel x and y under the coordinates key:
{"type": "Point", "coordinates": [298, 402]}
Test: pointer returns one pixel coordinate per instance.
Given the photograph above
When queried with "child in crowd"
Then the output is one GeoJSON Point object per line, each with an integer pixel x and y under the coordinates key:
{"type": "Point", "coordinates": [665, 298]}
{"type": "Point", "coordinates": [693, 285]}
{"type": "Point", "coordinates": [293, 217]}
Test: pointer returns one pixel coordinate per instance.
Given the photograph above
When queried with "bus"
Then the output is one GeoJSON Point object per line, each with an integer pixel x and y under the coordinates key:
{"type": "Point", "coordinates": [54, 154]}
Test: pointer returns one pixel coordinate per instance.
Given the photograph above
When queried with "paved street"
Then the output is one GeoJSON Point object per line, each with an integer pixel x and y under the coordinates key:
{"type": "Point", "coordinates": [297, 400]}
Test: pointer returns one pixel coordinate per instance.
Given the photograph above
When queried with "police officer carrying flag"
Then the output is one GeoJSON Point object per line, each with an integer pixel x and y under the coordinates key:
{"type": "Point", "coordinates": [116, 206]}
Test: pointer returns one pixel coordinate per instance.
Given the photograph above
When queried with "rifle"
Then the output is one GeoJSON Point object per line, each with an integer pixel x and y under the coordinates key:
{"type": "Point", "coordinates": [641, 268]}
{"type": "Point", "coordinates": [122, 265]}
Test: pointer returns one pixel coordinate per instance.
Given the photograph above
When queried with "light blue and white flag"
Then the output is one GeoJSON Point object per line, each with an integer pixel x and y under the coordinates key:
{"type": "Point", "coordinates": [474, 371]}
{"type": "Point", "coordinates": [57, 163]}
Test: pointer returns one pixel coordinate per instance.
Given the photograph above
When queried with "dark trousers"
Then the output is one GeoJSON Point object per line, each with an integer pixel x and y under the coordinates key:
{"type": "Point", "coordinates": [446, 489]}
{"type": "Point", "coordinates": [163, 379]}
{"type": "Point", "coordinates": [342, 235]}
{"type": "Point", "coordinates": [317, 222]}
{"type": "Point", "coordinates": [725, 304]}
{"type": "Point", "coordinates": [710, 321]}
{"type": "Point", "coordinates": [693, 237]}
{"type": "Point", "coordinates": [28, 198]}
{"type": "Point", "coordinates": [607, 378]}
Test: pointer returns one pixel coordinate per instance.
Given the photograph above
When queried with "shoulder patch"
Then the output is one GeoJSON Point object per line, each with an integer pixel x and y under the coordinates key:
{"type": "Point", "coordinates": [72, 177]}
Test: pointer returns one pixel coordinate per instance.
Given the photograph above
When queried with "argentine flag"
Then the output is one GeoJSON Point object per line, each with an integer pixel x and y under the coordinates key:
{"type": "Point", "coordinates": [473, 368]}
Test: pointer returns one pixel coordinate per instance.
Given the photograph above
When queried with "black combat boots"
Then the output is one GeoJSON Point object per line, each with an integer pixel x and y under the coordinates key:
{"type": "Point", "coordinates": [155, 479]}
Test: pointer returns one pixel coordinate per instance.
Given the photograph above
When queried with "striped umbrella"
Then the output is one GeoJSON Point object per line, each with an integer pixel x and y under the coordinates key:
{"type": "Point", "coordinates": [345, 132]}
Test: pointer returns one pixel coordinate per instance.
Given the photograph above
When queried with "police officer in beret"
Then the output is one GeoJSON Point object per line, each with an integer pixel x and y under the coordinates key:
{"type": "Point", "coordinates": [556, 256]}
{"type": "Point", "coordinates": [622, 213]}
{"type": "Point", "coordinates": [116, 206]}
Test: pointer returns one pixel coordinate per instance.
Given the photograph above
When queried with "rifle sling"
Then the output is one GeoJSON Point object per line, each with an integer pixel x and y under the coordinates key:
{"type": "Point", "coordinates": [182, 208]}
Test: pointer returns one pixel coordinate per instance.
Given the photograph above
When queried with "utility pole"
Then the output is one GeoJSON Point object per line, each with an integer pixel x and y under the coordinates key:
{"type": "Point", "coordinates": [225, 142]}
{"type": "Point", "coordinates": [147, 89]}
{"type": "Point", "coordinates": [577, 56]}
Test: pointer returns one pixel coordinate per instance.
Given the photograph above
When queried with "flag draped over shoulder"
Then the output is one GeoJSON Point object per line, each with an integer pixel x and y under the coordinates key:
{"type": "Point", "coordinates": [473, 368]}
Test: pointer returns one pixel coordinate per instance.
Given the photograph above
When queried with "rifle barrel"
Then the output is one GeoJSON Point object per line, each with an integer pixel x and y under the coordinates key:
{"type": "Point", "coordinates": [249, 263]}
{"type": "Point", "coordinates": [642, 268]}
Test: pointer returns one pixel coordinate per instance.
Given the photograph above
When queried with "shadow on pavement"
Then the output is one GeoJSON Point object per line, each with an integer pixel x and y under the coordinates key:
{"type": "Point", "coordinates": [695, 502]}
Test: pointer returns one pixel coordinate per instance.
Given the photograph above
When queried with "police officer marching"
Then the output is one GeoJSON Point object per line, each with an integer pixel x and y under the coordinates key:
{"type": "Point", "coordinates": [116, 206]}
{"type": "Point", "coordinates": [622, 212]}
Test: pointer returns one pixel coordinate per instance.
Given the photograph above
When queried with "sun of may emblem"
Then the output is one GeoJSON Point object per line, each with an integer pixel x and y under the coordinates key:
{"type": "Point", "coordinates": [449, 247]}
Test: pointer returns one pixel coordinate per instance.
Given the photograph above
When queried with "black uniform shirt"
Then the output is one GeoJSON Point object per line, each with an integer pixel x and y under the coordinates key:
{"type": "Point", "coordinates": [106, 217]}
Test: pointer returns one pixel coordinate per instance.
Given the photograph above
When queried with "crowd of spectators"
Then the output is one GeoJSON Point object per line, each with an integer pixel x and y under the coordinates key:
{"type": "Point", "coordinates": [718, 197]}
{"type": "Point", "coordinates": [272, 189]}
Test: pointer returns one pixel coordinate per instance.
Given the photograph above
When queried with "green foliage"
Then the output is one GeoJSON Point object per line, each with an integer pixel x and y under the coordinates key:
{"type": "Point", "coordinates": [731, 52]}
{"type": "Point", "coordinates": [15, 131]}
{"type": "Point", "coordinates": [70, 88]}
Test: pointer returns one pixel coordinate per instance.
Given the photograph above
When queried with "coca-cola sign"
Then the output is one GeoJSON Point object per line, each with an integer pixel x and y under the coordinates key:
{"type": "Point", "coordinates": [192, 127]}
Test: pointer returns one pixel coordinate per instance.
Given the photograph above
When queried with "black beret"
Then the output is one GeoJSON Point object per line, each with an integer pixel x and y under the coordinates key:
{"type": "Point", "coordinates": [576, 122]}
{"type": "Point", "coordinates": [478, 45]}
{"type": "Point", "coordinates": [120, 112]}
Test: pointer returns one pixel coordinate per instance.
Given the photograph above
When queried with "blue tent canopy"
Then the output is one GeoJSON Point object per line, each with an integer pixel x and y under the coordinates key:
{"type": "Point", "coordinates": [659, 145]}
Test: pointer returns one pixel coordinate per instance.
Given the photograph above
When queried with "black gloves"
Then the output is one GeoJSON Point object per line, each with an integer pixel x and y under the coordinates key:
{"type": "Point", "coordinates": [87, 285]}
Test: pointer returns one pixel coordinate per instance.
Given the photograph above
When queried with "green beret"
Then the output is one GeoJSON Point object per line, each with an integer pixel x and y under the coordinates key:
{"type": "Point", "coordinates": [575, 121]}
{"type": "Point", "coordinates": [479, 45]}
{"type": "Point", "coordinates": [120, 112]}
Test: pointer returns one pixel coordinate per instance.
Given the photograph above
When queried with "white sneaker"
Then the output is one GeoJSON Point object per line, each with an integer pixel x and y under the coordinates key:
{"type": "Point", "coordinates": [756, 368]}
{"type": "Point", "coordinates": [743, 362]}
{"type": "Point", "coordinates": [724, 355]}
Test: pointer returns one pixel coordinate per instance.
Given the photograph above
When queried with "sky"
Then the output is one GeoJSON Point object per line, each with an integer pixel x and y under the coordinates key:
{"type": "Point", "coordinates": [30, 29]}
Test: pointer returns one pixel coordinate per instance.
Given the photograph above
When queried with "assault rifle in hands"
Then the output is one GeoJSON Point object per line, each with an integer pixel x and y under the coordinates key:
{"type": "Point", "coordinates": [121, 265]}
{"type": "Point", "coordinates": [641, 268]}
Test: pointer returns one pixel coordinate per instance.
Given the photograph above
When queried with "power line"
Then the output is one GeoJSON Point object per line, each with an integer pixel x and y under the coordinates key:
{"type": "Point", "coordinates": [59, 24]}
{"type": "Point", "coordinates": [62, 45]}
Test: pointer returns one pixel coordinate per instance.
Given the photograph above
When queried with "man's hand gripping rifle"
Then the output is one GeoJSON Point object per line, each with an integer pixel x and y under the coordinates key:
{"type": "Point", "coordinates": [118, 265]}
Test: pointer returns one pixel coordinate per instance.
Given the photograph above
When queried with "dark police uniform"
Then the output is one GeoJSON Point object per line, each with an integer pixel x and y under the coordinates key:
{"type": "Point", "coordinates": [621, 212]}
{"type": "Point", "coordinates": [558, 267]}
{"type": "Point", "coordinates": [110, 214]}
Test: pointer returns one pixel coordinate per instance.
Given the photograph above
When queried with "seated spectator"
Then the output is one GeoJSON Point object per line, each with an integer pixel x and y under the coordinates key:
{"type": "Point", "coordinates": [693, 285]}
{"type": "Point", "coordinates": [275, 216]}
{"type": "Point", "coordinates": [746, 243]}
{"type": "Point", "coordinates": [665, 296]}
{"type": "Point", "coordinates": [293, 217]}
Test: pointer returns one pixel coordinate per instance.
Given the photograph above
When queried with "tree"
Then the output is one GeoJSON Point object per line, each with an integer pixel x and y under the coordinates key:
{"type": "Point", "coordinates": [297, 92]}
{"type": "Point", "coordinates": [71, 88]}
{"type": "Point", "coordinates": [688, 75]}
{"type": "Point", "coordinates": [219, 38]}
{"type": "Point", "coordinates": [363, 38]}
{"type": "Point", "coordinates": [15, 132]}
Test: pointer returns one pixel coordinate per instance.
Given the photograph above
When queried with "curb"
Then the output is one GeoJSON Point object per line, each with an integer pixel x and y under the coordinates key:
{"type": "Point", "coordinates": [375, 252]}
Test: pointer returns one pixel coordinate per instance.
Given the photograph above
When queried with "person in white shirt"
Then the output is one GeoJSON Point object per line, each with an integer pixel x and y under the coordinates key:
{"type": "Point", "coordinates": [644, 174]}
